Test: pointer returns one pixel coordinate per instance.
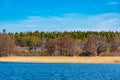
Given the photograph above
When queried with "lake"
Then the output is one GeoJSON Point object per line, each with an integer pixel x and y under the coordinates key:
{"type": "Point", "coordinates": [58, 71]}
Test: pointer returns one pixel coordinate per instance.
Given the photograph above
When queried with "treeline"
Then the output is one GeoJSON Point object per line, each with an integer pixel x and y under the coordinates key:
{"type": "Point", "coordinates": [76, 43]}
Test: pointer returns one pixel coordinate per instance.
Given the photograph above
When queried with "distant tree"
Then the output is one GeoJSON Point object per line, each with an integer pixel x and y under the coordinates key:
{"type": "Point", "coordinates": [19, 41]}
{"type": "Point", "coordinates": [79, 45]}
{"type": "Point", "coordinates": [51, 47]}
{"type": "Point", "coordinates": [65, 46]}
{"type": "Point", "coordinates": [42, 35]}
{"type": "Point", "coordinates": [4, 30]}
{"type": "Point", "coordinates": [6, 45]}
{"type": "Point", "coordinates": [95, 45]}
{"type": "Point", "coordinates": [115, 43]}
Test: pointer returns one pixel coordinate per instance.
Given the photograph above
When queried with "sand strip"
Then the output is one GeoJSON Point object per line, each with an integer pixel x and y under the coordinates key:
{"type": "Point", "coordinates": [61, 59]}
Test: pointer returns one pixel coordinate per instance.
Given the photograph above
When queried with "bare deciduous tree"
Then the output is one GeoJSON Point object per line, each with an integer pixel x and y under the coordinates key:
{"type": "Point", "coordinates": [66, 46]}
{"type": "Point", "coordinates": [115, 43]}
{"type": "Point", "coordinates": [95, 45]}
{"type": "Point", "coordinates": [6, 45]}
{"type": "Point", "coordinates": [51, 47]}
{"type": "Point", "coordinates": [63, 46]}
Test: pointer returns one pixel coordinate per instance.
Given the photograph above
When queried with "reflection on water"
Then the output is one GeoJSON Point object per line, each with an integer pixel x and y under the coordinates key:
{"type": "Point", "coordinates": [58, 71]}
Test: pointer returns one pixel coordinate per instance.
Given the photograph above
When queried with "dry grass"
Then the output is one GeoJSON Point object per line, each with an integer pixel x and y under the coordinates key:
{"type": "Point", "coordinates": [62, 59]}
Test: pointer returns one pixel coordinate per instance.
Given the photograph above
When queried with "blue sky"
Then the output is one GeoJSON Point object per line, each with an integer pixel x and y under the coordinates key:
{"type": "Point", "coordinates": [59, 15]}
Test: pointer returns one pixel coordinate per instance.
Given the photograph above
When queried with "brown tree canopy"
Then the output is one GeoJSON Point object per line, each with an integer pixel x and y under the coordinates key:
{"type": "Point", "coordinates": [115, 43]}
{"type": "Point", "coordinates": [63, 46]}
{"type": "Point", "coordinates": [95, 45]}
{"type": "Point", "coordinates": [51, 47]}
{"type": "Point", "coordinates": [6, 45]}
{"type": "Point", "coordinates": [66, 46]}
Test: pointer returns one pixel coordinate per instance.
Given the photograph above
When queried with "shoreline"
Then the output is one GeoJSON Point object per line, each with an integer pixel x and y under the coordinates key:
{"type": "Point", "coordinates": [61, 59]}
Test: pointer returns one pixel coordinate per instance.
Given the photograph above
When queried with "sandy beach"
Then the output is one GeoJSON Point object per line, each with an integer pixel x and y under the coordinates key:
{"type": "Point", "coordinates": [61, 59]}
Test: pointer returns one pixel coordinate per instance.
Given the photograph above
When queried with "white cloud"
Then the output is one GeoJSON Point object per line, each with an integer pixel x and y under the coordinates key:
{"type": "Point", "coordinates": [67, 22]}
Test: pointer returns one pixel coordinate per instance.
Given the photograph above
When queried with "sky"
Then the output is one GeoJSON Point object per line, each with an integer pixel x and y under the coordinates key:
{"type": "Point", "coordinates": [59, 15]}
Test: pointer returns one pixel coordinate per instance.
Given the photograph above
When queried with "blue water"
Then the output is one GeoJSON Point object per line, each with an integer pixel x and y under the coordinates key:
{"type": "Point", "coordinates": [58, 71]}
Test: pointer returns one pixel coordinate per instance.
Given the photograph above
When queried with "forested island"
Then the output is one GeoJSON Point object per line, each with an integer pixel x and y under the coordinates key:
{"type": "Point", "coordinates": [74, 43]}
